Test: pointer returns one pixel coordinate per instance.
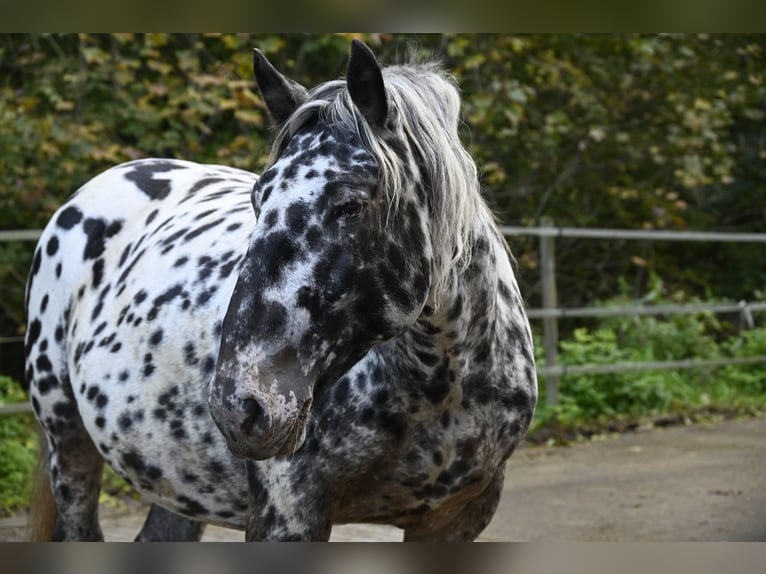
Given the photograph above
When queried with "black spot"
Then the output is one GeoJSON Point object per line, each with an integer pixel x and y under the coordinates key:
{"type": "Point", "coordinates": [124, 256]}
{"type": "Point", "coordinates": [297, 217]}
{"type": "Point", "coordinates": [202, 229]}
{"type": "Point", "coordinates": [36, 262]}
{"type": "Point", "coordinates": [314, 236]}
{"type": "Point", "coordinates": [271, 218]}
{"type": "Point", "coordinates": [129, 268]}
{"type": "Point", "coordinates": [275, 252]}
{"type": "Point", "coordinates": [151, 216]}
{"type": "Point", "coordinates": [69, 217]}
{"type": "Point", "coordinates": [203, 183]}
{"type": "Point", "coordinates": [98, 272]}
{"type": "Point", "coordinates": [166, 297]}
{"type": "Point", "coordinates": [156, 338]}
{"type": "Point", "coordinates": [143, 176]}
{"type": "Point", "coordinates": [190, 356]}
{"type": "Point", "coordinates": [208, 365]}
{"type": "Point", "coordinates": [517, 399]}
{"type": "Point", "coordinates": [45, 384]}
{"type": "Point", "coordinates": [65, 410]}
{"type": "Point", "coordinates": [191, 507]}
{"type": "Point", "coordinates": [33, 334]}
{"type": "Point", "coordinates": [205, 296]}
{"type": "Point", "coordinates": [92, 392]}
{"type": "Point", "coordinates": [53, 246]}
{"type": "Point", "coordinates": [125, 422]}
{"type": "Point", "coordinates": [95, 229]}
{"type": "Point", "coordinates": [341, 390]}
{"type": "Point", "coordinates": [43, 363]}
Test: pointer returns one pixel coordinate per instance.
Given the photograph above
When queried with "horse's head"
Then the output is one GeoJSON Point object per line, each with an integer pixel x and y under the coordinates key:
{"type": "Point", "coordinates": [342, 254]}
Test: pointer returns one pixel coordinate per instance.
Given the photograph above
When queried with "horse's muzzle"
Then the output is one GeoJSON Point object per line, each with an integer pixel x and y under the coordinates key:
{"type": "Point", "coordinates": [258, 425]}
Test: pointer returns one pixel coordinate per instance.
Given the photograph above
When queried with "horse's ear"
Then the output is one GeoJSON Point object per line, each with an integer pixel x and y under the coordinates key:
{"type": "Point", "coordinates": [282, 95]}
{"type": "Point", "coordinates": [365, 84]}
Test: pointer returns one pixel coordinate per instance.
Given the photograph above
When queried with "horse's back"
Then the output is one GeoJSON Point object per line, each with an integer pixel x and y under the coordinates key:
{"type": "Point", "coordinates": [125, 298]}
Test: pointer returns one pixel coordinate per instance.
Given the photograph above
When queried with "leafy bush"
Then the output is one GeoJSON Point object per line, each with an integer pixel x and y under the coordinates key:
{"type": "Point", "coordinates": [587, 398]}
{"type": "Point", "coordinates": [17, 451]}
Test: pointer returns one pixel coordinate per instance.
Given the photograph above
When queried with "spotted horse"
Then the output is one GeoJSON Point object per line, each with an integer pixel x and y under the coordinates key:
{"type": "Point", "coordinates": [340, 340]}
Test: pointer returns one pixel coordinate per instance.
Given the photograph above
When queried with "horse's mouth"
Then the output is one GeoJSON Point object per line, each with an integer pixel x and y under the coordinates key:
{"type": "Point", "coordinates": [285, 439]}
{"type": "Point", "coordinates": [296, 434]}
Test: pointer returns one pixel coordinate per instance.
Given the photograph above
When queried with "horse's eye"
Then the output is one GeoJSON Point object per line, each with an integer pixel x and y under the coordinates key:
{"type": "Point", "coordinates": [351, 208]}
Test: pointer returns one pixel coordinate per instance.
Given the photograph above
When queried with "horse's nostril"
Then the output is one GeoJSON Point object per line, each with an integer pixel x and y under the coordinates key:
{"type": "Point", "coordinates": [255, 416]}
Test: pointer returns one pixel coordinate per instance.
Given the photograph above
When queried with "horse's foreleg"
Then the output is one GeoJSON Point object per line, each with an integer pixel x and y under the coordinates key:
{"type": "Point", "coordinates": [161, 525]}
{"type": "Point", "coordinates": [279, 511]}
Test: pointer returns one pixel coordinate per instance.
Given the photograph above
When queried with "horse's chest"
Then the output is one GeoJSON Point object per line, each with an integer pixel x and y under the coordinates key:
{"type": "Point", "coordinates": [442, 464]}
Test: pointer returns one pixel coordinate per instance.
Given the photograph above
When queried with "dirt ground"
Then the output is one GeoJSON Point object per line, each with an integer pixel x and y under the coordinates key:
{"type": "Point", "coordinates": [703, 482]}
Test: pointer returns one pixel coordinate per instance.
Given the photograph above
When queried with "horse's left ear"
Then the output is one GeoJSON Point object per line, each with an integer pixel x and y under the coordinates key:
{"type": "Point", "coordinates": [365, 84]}
{"type": "Point", "coordinates": [281, 95]}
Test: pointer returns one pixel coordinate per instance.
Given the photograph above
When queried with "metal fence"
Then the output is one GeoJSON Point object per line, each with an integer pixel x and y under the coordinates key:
{"type": "Point", "coordinates": [550, 312]}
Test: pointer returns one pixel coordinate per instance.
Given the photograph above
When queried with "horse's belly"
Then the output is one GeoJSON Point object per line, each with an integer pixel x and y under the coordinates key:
{"type": "Point", "coordinates": [145, 408]}
{"type": "Point", "coordinates": [167, 447]}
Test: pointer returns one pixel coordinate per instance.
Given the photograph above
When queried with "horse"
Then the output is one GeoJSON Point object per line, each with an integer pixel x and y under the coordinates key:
{"type": "Point", "coordinates": [340, 340]}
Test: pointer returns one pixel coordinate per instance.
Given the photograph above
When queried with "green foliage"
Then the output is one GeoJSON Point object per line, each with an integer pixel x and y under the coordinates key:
{"type": "Point", "coordinates": [18, 448]}
{"type": "Point", "coordinates": [17, 451]}
{"type": "Point", "coordinates": [628, 395]}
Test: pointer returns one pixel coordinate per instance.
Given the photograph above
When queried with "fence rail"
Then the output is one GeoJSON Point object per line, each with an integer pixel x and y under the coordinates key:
{"type": "Point", "coordinates": [550, 312]}
{"type": "Point", "coordinates": [551, 230]}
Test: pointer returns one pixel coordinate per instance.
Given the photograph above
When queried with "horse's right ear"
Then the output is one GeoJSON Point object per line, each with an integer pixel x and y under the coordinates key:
{"type": "Point", "coordinates": [282, 95]}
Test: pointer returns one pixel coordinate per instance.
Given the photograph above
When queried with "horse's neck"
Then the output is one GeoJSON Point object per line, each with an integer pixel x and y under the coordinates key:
{"type": "Point", "coordinates": [457, 335]}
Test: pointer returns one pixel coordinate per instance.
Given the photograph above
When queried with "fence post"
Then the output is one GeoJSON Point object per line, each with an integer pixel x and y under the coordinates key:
{"type": "Point", "coordinates": [550, 301]}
